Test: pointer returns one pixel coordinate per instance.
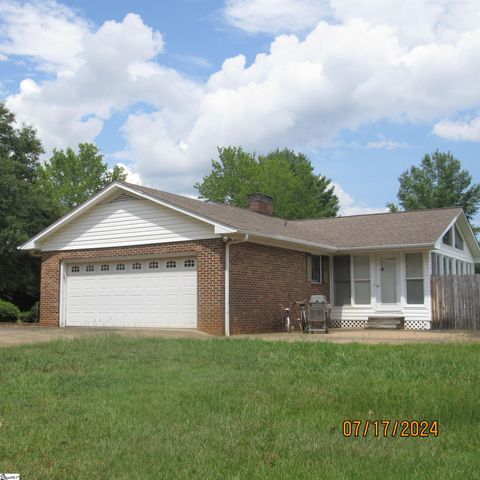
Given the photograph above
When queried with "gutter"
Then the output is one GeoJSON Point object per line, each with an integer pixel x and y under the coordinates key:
{"type": "Point", "coordinates": [386, 247]}
{"type": "Point", "coordinates": [229, 241]}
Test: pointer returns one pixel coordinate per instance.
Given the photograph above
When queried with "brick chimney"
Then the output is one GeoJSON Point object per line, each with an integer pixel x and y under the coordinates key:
{"type": "Point", "coordinates": [260, 203]}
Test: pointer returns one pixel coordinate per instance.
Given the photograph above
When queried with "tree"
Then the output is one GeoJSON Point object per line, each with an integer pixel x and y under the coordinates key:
{"type": "Point", "coordinates": [283, 174]}
{"type": "Point", "coordinates": [438, 182]}
{"type": "Point", "coordinates": [71, 178]}
{"type": "Point", "coordinates": [25, 209]}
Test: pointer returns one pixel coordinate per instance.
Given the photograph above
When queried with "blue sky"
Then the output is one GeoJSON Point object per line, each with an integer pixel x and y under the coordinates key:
{"type": "Point", "coordinates": [365, 88]}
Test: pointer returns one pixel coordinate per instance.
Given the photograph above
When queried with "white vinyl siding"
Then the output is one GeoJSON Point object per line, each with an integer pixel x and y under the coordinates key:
{"type": "Point", "coordinates": [127, 221]}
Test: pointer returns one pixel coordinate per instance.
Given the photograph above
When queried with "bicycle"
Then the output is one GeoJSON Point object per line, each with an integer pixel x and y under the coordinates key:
{"type": "Point", "coordinates": [287, 322]}
{"type": "Point", "coordinates": [303, 320]}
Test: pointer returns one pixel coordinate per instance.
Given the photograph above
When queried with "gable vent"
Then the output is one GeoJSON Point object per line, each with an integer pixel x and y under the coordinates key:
{"type": "Point", "coordinates": [123, 196]}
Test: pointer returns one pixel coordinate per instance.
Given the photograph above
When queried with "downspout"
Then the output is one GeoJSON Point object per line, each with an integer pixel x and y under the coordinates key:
{"type": "Point", "coordinates": [229, 241]}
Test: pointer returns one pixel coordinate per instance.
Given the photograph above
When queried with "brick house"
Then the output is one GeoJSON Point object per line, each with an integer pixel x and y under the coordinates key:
{"type": "Point", "coordinates": [133, 256]}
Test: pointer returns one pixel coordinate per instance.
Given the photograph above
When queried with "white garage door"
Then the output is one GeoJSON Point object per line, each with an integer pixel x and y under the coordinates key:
{"type": "Point", "coordinates": [132, 293]}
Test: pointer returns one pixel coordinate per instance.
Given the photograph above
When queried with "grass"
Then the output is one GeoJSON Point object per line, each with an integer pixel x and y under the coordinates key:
{"type": "Point", "coordinates": [121, 408]}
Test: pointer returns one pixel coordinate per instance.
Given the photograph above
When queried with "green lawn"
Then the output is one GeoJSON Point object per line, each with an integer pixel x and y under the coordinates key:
{"type": "Point", "coordinates": [123, 408]}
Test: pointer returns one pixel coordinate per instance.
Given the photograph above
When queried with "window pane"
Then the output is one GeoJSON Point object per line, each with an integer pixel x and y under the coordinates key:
{"type": "Point", "coordinates": [362, 293]}
{"type": "Point", "coordinates": [341, 267]}
{"type": "Point", "coordinates": [325, 269]}
{"type": "Point", "coordinates": [361, 267]}
{"type": "Point", "coordinates": [458, 239]}
{"type": "Point", "coordinates": [447, 238]}
{"type": "Point", "coordinates": [414, 265]}
{"type": "Point", "coordinates": [342, 293]}
{"type": "Point", "coordinates": [341, 275]}
{"type": "Point", "coordinates": [415, 292]}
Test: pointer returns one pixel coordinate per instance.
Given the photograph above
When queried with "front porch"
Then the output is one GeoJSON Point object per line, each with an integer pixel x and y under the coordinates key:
{"type": "Point", "coordinates": [381, 285]}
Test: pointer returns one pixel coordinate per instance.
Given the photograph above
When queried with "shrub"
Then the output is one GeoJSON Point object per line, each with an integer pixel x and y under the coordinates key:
{"type": "Point", "coordinates": [8, 312]}
{"type": "Point", "coordinates": [30, 316]}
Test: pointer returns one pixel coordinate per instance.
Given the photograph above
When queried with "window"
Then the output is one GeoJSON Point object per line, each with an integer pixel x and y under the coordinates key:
{"type": "Point", "coordinates": [316, 269]}
{"type": "Point", "coordinates": [104, 268]}
{"type": "Point", "coordinates": [341, 278]}
{"type": "Point", "coordinates": [120, 267]}
{"type": "Point", "coordinates": [325, 269]}
{"type": "Point", "coordinates": [136, 266]}
{"type": "Point", "coordinates": [89, 268]}
{"type": "Point", "coordinates": [153, 265]}
{"type": "Point", "coordinates": [189, 263]}
{"type": "Point", "coordinates": [447, 238]}
{"type": "Point", "coordinates": [458, 239]}
{"type": "Point", "coordinates": [75, 269]}
{"type": "Point", "coordinates": [414, 276]}
{"type": "Point", "coordinates": [361, 279]}
{"type": "Point", "coordinates": [171, 264]}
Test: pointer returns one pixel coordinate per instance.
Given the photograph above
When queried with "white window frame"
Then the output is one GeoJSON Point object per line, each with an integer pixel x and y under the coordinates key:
{"type": "Point", "coordinates": [353, 280]}
{"type": "Point", "coordinates": [407, 278]}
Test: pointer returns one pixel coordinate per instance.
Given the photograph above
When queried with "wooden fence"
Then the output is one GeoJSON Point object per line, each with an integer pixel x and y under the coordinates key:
{"type": "Point", "coordinates": [456, 302]}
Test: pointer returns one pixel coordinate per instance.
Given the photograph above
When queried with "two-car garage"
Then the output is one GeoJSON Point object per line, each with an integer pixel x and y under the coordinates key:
{"type": "Point", "coordinates": [153, 292]}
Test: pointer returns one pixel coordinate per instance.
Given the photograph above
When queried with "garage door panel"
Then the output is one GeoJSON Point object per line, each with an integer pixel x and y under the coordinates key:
{"type": "Point", "coordinates": [151, 295]}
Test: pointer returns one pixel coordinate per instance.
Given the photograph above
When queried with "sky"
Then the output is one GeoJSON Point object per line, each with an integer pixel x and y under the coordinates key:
{"type": "Point", "coordinates": [364, 87]}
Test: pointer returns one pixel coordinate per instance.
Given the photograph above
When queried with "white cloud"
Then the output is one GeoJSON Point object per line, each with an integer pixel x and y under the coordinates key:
{"type": "Point", "coordinates": [48, 32]}
{"type": "Point", "coordinates": [132, 177]}
{"type": "Point", "coordinates": [275, 16]}
{"type": "Point", "coordinates": [115, 68]}
{"type": "Point", "coordinates": [385, 144]}
{"type": "Point", "coordinates": [414, 21]}
{"type": "Point", "coordinates": [365, 66]}
{"type": "Point", "coordinates": [459, 130]}
{"type": "Point", "coordinates": [348, 206]}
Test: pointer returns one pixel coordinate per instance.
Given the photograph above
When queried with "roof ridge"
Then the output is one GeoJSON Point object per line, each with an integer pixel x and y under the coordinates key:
{"type": "Point", "coordinates": [291, 220]}
{"type": "Point", "coordinates": [375, 214]}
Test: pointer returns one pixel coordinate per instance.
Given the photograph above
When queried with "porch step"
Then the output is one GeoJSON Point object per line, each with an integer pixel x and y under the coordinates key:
{"type": "Point", "coordinates": [386, 323]}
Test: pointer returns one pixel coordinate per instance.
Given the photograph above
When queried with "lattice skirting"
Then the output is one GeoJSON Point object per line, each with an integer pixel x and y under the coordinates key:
{"type": "Point", "coordinates": [409, 324]}
{"type": "Point", "coordinates": [417, 325]}
{"type": "Point", "coordinates": [348, 323]}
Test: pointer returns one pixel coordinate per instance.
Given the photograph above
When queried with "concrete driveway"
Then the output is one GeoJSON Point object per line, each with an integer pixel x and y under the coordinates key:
{"type": "Point", "coordinates": [13, 334]}
{"type": "Point", "coordinates": [346, 335]}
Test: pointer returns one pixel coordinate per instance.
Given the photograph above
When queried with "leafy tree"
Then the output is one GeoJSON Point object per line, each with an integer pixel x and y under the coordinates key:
{"type": "Point", "coordinates": [283, 174]}
{"type": "Point", "coordinates": [71, 178]}
{"type": "Point", "coordinates": [25, 209]}
{"type": "Point", "coordinates": [439, 181]}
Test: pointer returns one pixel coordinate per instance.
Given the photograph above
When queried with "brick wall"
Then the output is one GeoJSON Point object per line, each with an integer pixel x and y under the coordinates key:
{"type": "Point", "coordinates": [261, 278]}
{"type": "Point", "coordinates": [210, 281]}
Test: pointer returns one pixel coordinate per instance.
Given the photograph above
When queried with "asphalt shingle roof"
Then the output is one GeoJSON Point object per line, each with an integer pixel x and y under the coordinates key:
{"type": "Point", "coordinates": [372, 230]}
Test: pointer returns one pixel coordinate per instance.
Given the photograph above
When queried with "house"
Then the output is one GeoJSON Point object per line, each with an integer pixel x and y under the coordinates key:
{"type": "Point", "coordinates": [133, 256]}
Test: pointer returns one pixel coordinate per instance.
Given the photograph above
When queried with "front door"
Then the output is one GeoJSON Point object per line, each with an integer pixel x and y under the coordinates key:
{"type": "Point", "coordinates": [389, 294]}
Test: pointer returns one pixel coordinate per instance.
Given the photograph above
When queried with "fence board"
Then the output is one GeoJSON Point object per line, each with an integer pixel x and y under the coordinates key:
{"type": "Point", "coordinates": [456, 302]}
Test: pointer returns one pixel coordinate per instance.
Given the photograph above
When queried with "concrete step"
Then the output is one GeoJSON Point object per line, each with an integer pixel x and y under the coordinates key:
{"type": "Point", "coordinates": [385, 323]}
